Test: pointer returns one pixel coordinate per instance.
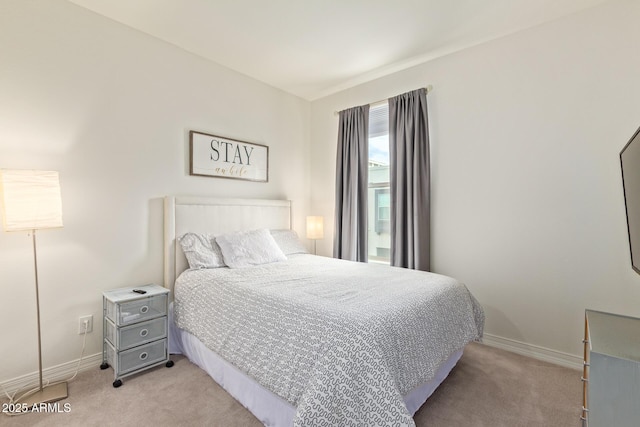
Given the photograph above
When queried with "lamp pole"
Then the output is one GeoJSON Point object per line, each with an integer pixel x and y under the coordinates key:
{"type": "Point", "coordinates": [35, 269]}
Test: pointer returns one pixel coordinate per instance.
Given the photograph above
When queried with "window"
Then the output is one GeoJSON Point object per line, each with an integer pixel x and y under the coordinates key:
{"type": "Point", "coordinates": [383, 210]}
{"type": "Point", "coordinates": [379, 205]}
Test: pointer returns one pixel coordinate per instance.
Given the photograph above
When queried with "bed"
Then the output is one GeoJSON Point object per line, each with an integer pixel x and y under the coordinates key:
{"type": "Point", "coordinates": [309, 340]}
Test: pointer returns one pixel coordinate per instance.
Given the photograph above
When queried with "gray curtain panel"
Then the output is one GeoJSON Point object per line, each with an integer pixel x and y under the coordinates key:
{"type": "Point", "coordinates": [350, 235]}
{"type": "Point", "coordinates": [409, 180]}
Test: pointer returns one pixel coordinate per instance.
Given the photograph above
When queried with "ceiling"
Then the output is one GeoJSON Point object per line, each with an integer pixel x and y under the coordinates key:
{"type": "Point", "coordinates": [313, 48]}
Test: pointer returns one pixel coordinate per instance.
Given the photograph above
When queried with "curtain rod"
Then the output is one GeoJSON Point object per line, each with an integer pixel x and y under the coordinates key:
{"type": "Point", "coordinates": [428, 88]}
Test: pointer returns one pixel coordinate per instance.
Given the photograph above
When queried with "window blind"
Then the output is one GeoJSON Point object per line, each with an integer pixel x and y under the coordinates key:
{"type": "Point", "coordinates": [379, 120]}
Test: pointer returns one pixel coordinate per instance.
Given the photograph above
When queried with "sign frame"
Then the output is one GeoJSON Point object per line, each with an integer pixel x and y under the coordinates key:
{"type": "Point", "coordinates": [220, 157]}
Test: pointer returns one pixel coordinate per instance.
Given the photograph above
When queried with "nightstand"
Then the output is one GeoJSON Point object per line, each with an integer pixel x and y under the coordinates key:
{"type": "Point", "coordinates": [135, 330]}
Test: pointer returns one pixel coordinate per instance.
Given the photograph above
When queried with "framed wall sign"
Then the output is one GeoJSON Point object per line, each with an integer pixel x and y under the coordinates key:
{"type": "Point", "coordinates": [221, 157]}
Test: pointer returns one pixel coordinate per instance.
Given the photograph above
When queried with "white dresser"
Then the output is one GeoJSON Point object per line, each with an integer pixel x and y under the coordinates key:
{"type": "Point", "coordinates": [611, 395]}
{"type": "Point", "coordinates": [135, 330]}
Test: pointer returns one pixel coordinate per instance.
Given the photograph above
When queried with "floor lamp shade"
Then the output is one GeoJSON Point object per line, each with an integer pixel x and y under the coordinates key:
{"type": "Point", "coordinates": [30, 199]}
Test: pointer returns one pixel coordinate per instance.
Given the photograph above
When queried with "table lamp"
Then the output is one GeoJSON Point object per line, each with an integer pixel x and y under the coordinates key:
{"type": "Point", "coordinates": [315, 229]}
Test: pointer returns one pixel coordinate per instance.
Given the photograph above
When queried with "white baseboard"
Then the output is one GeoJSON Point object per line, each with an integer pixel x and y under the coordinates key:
{"type": "Point", "coordinates": [53, 374]}
{"type": "Point", "coordinates": [66, 370]}
{"type": "Point", "coordinates": [541, 353]}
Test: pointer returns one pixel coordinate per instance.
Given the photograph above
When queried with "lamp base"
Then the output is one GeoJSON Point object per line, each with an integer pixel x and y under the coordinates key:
{"type": "Point", "coordinates": [48, 394]}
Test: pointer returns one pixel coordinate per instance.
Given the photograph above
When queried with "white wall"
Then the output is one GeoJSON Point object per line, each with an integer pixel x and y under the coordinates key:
{"type": "Point", "coordinates": [528, 208]}
{"type": "Point", "coordinates": [110, 108]}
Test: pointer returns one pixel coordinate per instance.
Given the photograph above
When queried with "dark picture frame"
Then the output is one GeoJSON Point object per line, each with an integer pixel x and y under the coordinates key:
{"type": "Point", "coordinates": [221, 157]}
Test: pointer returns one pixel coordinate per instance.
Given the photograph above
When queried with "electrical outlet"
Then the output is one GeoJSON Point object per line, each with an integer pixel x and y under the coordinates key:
{"type": "Point", "coordinates": [81, 320]}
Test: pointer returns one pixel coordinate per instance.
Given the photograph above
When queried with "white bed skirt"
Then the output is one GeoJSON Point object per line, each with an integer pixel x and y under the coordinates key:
{"type": "Point", "coordinates": [269, 408]}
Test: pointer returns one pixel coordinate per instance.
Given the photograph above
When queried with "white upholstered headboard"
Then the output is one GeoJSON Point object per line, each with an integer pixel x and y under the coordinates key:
{"type": "Point", "coordinates": [184, 214]}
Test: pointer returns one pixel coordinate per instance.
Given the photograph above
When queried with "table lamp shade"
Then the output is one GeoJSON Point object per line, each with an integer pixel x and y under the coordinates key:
{"type": "Point", "coordinates": [30, 199]}
{"type": "Point", "coordinates": [315, 227]}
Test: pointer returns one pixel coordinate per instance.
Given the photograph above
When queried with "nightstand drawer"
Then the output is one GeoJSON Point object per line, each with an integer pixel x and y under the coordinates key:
{"type": "Point", "coordinates": [140, 333]}
{"type": "Point", "coordinates": [137, 310]}
{"type": "Point", "coordinates": [138, 357]}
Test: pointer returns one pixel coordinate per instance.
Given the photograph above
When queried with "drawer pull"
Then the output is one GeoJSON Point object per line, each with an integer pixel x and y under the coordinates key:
{"type": "Point", "coordinates": [144, 355]}
{"type": "Point", "coordinates": [144, 332]}
{"type": "Point", "coordinates": [144, 309]}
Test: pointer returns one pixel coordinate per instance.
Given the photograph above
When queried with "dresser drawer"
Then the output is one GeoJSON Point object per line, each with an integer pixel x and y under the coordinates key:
{"type": "Point", "coordinates": [137, 357]}
{"type": "Point", "coordinates": [137, 310]}
{"type": "Point", "coordinates": [141, 333]}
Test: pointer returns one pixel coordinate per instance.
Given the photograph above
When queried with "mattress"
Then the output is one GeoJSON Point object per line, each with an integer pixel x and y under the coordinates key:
{"type": "Point", "coordinates": [341, 342]}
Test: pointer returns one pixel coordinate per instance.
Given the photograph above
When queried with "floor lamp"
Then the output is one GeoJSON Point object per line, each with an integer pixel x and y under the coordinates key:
{"type": "Point", "coordinates": [315, 230]}
{"type": "Point", "coordinates": [31, 201]}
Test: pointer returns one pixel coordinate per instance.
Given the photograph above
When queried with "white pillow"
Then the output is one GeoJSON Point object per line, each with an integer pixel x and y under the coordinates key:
{"type": "Point", "coordinates": [249, 248]}
{"type": "Point", "coordinates": [201, 250]}
{"type": "Point", "coordinates": [288, 242]}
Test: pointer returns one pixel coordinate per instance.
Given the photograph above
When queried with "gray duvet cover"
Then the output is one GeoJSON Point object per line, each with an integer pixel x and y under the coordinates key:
{"type": "Point", "coordinates": [342, 341]}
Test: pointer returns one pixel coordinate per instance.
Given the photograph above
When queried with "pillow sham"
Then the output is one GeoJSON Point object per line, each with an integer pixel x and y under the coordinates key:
{"type": "Point", "coordinates": [288, 242]}
{"type": "Point", "coordinates": [248, 248]}
{"type": "Point", "coordinates": [201, 250]}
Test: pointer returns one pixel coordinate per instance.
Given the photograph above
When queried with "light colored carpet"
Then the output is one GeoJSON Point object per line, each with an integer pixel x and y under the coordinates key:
{"type": "Point", "coordinates": [489, 387]}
